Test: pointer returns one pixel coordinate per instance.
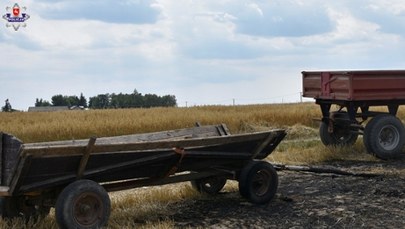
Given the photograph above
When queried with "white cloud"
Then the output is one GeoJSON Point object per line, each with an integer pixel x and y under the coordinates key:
{"type": "Point", "coordinates": [396, 7]}
{"type": "Point", "coordinates": [139, 12]}
{"type": "Point", "coordinates": [281, 18]}
{"type": "Point", "coordinates": [256, 8]}
{"type": "Point", "coordinates": [348, 27]}
{"type": "Point", "coordinates": [252, 51]}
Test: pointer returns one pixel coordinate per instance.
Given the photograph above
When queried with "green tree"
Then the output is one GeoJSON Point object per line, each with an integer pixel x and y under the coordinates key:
{"type": "Point", "coordinates": [115, 101]}
{"type": "Point", "coordinates": [64, 100]}
{"type": "Point", "coordinates": [151, 100]}
{"type": "Point", "coordinates": [7, 107]}
{"type": "Point", "coordinates": [72, 100]}
{"type": "Point", "coordinates": [133, 100]}
{"type": "Point", "coordinates": [82, 100]}
{"type": "Point", "coordinates": [42, 103]}
{"type": "Point", "coordinates": [59, 100]}
{"type": "Point", "coordinates": [137, 99]}
{"type": "Point", "coordinates": [169, 101]}
{"type": "Point", "coordinates": [100, 101]}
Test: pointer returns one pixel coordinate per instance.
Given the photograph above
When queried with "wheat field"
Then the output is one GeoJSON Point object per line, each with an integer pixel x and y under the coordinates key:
{"type": "Point", "coordinates": [48, 126]}
{"type": "Point", "coordinates": [144, 207]}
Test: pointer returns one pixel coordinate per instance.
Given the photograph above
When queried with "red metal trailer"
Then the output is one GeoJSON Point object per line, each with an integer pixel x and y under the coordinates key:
{"type": "Point", "coordinates": [355, 92]}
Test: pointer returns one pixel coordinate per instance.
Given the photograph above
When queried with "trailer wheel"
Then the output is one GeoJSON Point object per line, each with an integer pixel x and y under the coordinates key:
{"type": "Point", "coordinates": [209, 185]}
{"type": "Point", "coordinates": [258, 182]}
{"type": "Point", "coordinates": [340, 136]}
{"type": "Point", "coordinates": [82, 204]}
{"type": "Point", "coordinates": [384, 136]}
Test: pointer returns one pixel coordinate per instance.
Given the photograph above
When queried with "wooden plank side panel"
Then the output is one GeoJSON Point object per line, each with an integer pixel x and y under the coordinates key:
{"type": "Point", "coordinates": [131, 166]}
{"type": "Point", "coordinates": [311, 84]}
{"type": "Point", "coordinates": [39, 151]}
{"type": "Point", "coordinates": [195, 132]}
{"type": "Point", "coordinates": [340, 86]}
{"type": "Point", "coordinates": [19, 174]}
{"type": "Point", "coordinates": [326, 85]}
{"type": "Point", "coordinates": [379, 87]}
{"type": "Point", "coordinates": [11, 151]}
{"type": "Point", "coordinates": [355, 85]}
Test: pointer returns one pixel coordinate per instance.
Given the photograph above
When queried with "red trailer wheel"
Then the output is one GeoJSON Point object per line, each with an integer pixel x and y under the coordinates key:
{"type": "Point", "coordinates": [384, 136]}
{"type": "Point", "coordinates": [82, 204]}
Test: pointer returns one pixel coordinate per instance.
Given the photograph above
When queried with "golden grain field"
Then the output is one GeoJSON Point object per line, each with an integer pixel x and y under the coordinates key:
{"type": "Point", "coordinates": [143, 207]}
{"type": "Point", "coordinates": [47, 126]}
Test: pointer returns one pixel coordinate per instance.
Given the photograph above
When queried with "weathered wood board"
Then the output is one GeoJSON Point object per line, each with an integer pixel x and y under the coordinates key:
{"type": "Point", "coordinates": [10, 154]}
{"type": "Point", "coordinates": [195, 132]}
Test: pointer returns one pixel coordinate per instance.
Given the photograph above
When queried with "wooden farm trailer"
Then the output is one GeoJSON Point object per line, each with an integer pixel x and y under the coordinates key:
{"type": "Point", "coordinates": [75, 176]}
{"type": "Point", "coordinates": [355, 92]}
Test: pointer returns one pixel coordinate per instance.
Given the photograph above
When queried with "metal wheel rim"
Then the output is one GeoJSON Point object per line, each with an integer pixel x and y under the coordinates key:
{"type": "Point", "coordinates": [87, 209]}
{"type": "Point", "coordinates": [388, 137]}
{"type": "Point", "coordinates": [261, 182]}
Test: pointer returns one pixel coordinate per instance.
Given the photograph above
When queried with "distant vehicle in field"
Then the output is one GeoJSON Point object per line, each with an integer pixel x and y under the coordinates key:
{"type": "Point", "coordinates": [355, 92]}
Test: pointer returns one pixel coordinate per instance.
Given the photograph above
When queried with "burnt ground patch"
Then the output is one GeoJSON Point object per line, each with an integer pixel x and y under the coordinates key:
{"type": "Point", "coordinates": [309, 200]}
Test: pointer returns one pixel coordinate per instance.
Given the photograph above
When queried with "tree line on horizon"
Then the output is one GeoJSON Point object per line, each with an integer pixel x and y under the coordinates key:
{"type": "Point", "coordinates": [106, 101]}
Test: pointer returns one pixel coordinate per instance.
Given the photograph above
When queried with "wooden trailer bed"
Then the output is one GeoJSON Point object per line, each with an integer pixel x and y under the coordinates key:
{"type": "Point", "coordinates": [76, 175]}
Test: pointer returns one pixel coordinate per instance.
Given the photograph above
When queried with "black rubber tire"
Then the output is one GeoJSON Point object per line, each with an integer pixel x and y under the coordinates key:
{"type": "Point", "coordinates": [82, 204]}
{"type": "Point", "coordinates": [340, 136]}
{"type": "Point", "coordinates": [384, 136]}
{"type": "Point", "coordinates": [209, 185]}
{"type": "Point", "coordinates": [258, 182]}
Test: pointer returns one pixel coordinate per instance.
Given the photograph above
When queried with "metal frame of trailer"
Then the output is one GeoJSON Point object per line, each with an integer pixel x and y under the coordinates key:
{"type": "Point", "coordinates": [355, 92]}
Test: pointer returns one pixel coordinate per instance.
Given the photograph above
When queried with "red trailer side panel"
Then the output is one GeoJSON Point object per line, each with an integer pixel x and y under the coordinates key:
{"type": "Point", "coordinates": [354, 85]}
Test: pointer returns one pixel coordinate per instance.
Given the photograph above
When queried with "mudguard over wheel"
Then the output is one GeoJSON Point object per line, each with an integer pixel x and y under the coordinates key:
{"type": "Point", "coordinates": [258, 182]}
{"type": "Point", "coordinates": [384, 136]}
{"type": "Point", "coordinates": [209, 185]}
{"type": "Point", "coordinates": [82, 204]}
{"type": "Point", "coordinates": [341, 135]}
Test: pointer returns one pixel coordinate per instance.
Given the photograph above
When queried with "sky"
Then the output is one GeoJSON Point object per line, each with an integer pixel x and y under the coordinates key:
{"type": "Point", "coordinates": [205, 52]}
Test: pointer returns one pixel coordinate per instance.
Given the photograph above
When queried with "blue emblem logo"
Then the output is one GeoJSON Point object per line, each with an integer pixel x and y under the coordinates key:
{"type": "Point", "coordinates": [17, 16]}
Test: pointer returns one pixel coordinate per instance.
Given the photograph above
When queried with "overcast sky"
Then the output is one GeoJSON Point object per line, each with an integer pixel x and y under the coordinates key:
{"type": "Point", "coordinates": [202, 51]}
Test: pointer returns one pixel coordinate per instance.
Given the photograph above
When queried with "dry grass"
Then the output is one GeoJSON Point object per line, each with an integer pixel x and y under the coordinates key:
{"type": "Point", "coordinates": [145, 207]}
{"type": "Point", "coordinates": [150, 207]}
{"type": "Point", "coordinates": [311, 151]}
